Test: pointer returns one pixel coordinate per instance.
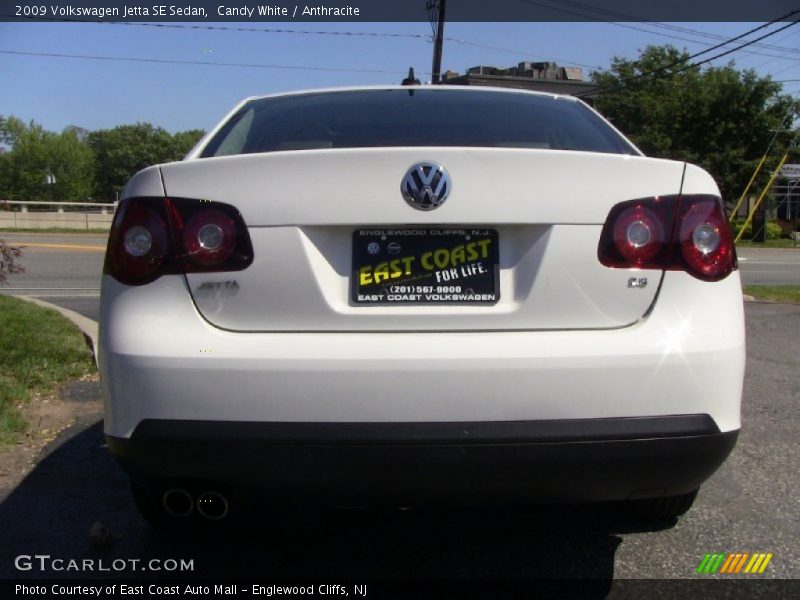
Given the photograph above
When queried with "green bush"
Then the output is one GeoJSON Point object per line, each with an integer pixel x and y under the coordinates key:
{"type": "Point", "coordinates": [774, 230]}
{"type": "Point", "coordinates": [737, 227]}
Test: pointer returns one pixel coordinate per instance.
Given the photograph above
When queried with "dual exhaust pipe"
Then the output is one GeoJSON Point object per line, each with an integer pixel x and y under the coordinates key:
{"type": "Point", "coordinates": [210, 505]}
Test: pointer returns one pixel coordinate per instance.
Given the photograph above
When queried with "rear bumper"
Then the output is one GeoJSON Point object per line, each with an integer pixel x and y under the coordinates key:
{"type": "Point", "coordinates": [418, 463]}
{"type": "Point", "coordinates": [159, 360]}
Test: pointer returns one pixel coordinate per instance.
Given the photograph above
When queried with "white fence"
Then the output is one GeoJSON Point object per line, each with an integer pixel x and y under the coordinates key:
{"type": "Point", "coordinates": [62, 215]}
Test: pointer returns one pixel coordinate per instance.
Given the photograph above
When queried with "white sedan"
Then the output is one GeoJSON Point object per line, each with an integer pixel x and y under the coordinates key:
{"type": "Point", "coordinates": [415, 295]}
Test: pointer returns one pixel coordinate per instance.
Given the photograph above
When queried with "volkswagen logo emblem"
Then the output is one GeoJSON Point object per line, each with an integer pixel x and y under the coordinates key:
{"type": "Point", "coordinates": [426, 186]}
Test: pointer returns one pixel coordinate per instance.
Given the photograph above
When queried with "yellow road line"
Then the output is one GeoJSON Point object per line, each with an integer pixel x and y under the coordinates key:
{"type": "Point", "coordinates": [80, 247]}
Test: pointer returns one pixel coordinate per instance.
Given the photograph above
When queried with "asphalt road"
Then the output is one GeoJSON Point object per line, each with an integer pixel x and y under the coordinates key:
{"type": "Point", "coordinates": [749, 505]}
{"type": "Point", "coordinates": [769, 266]}
{"type": "Point", "coordinates": [65, 269]}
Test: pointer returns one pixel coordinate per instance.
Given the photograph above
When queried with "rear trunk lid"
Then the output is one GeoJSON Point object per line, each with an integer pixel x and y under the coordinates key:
{"type": "Point", "coordinates": [305, 210]}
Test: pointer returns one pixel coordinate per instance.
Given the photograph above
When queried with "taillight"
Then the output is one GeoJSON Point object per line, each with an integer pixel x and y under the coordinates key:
{"type": "Point", "coordinates": [705, 239]}
{"type": "Point", "coordinates": [151, 237]}
{"type": "Point", "coordinates": [140, 246]}
{"type": "Point", "coordinates": [639, 234]}
{"type": "Point", "coordinates": [669, 232]}
{"type": "Point", "coordinates": [209, 238]}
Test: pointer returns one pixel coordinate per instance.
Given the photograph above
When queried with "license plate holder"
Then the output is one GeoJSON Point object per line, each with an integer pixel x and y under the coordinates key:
{"type": "Point", "coordinates": [425, 266]}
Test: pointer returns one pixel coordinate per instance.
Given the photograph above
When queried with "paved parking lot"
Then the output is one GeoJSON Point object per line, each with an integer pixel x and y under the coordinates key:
{"type": "Point", "coordinates": [750, 505]}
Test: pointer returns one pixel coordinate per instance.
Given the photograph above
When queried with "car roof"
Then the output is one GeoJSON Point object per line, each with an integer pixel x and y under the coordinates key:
{"type": "Point", "coordinates": [437, 88]}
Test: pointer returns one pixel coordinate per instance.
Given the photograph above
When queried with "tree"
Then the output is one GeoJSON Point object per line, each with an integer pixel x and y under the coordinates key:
{"type": "Point", "coordinates": [122, 151]}
{"type": "Point", "coordinates": [720, 118]}
{"type": "Point", "coordinates": [83, 163]}
{"type": "Point", "coordinates": [10, 129]}
{"type": "Point", "coordinates": [24, 165]}
{"type": "Point", "coordinates": [80, 132]}
{"type": "Point", "coordinates": [72, 163]}
{"type": "Point", "coordinates": [34, 153]}
{"type": "Point", "coordinates": [185, 141]}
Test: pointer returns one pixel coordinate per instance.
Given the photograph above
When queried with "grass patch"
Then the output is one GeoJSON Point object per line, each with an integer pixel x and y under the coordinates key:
{"type": "Point", "coordinates": [785, 294]}
{"type": "Point", "coordinates": [38, 349]}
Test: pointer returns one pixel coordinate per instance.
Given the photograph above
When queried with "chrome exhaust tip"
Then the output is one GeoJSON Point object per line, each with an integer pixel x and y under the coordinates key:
{"type": "Point", "coordinates": [178, 502]}
{"type": "Point", "coordinates": [212, 506]}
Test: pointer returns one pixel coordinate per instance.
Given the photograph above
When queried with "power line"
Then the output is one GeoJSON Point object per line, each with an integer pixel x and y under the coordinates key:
{"type": "Point", "coordinates": [429, 38]}
{"type": "Point", "coordinates": [625, 17]}
{"type": "Point", "coordinates": [716, 36]}
{"type": "Point", "coordinates": [430, 10]}
{"type": "Point", "coordinates": [732, 50]}
{"type": "Point", "coordinates": [785, 56]}
{"type": "Point", "coordinates": [588, 7]}
{"type": "Point", "coordinates": [707, 50]}
{"type": "Point", "coordinates": [247, 65]}
{"type": "Point", "coordinates": [684, 39]}
{"type": "Point", "coordinates": [198, 62]}
{"type": "Point", "coordinates": [372, 34]}
{"type": "Point", "coordinates": [231, 28]}
{"type": "Point", "coordinates": [707, 60]}
{"type": "Point", "coordinates": [608, 14]}
{"type": "Point", "coordinates": [397, 35]}
{"type": "Point", "coordinates": [519, 53]}
{"type": "Point", "coordinates": [794, 66]}
{"type": "Point", "coordinates": [696, 54]}
{"type": "Point", "coordinates": [722, 83]}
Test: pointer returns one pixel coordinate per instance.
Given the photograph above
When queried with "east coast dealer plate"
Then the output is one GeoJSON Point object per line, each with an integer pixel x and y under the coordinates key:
{"type": "Point", "coordinates": [420, 265]}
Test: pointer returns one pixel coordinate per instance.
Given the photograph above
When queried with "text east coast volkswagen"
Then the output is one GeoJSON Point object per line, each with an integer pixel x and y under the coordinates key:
{"type": "Point", "coordinates": [414, 295]}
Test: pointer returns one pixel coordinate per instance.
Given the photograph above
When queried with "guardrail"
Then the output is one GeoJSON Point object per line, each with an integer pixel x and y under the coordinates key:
{"type": "Point", "coordinates": [23, 214]}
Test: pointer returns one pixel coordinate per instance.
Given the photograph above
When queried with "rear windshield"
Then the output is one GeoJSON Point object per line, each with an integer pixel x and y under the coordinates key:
{"type": "Point", "coordinates": [386, 118]}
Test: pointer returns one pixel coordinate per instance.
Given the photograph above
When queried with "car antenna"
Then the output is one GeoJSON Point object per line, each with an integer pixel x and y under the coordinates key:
{"type": "Point", "coordinates": [410, 80]}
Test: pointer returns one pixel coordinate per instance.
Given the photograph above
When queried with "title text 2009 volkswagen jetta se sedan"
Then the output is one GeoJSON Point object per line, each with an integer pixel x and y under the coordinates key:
{"type": "Point", "coordinates": [415, 295]}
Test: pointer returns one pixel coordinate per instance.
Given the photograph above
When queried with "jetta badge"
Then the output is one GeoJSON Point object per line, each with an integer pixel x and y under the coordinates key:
{"type": "Point", "coordinates": [426, 186]}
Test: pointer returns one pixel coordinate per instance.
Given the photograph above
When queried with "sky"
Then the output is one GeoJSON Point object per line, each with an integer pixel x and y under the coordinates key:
{"type": "Point", "coordinates": [97, 94]}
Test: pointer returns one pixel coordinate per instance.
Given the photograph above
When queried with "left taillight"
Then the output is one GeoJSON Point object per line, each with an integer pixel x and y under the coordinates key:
{"type": "Point", "coordinates": [151, 237]}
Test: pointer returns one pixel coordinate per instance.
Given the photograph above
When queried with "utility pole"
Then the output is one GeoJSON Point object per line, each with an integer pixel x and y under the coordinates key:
{"type": "Point", "coordinates": [437, 42]}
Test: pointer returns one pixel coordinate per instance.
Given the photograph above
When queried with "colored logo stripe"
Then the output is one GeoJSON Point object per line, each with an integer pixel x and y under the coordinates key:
{"type": "Point", "coordinates": [711, 563]}
{"type": "Point", "coordinates": [722, 562]}
{"type": "Point", "coordinates": [734, 563]}
{"type": "Point", "coordinates": [758, 564]}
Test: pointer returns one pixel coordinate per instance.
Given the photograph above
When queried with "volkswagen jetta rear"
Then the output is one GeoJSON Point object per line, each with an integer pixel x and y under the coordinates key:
{"type": "Point", "coordinates": [420, 294]}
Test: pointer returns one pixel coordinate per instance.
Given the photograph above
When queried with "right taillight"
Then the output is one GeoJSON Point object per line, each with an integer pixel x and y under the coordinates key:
{"type": "Point", "coordinates": [705, 238]}
{"type": "Point", "coordinates": [688, 233]}
{"type": "Point", "coordinates": [151, 237]}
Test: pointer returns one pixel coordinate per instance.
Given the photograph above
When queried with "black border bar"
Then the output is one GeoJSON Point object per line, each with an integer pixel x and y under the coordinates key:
{"type": "Point", "coordinates": [402, 11]}
{"type": "Point", "coordinates": [732, 588]}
